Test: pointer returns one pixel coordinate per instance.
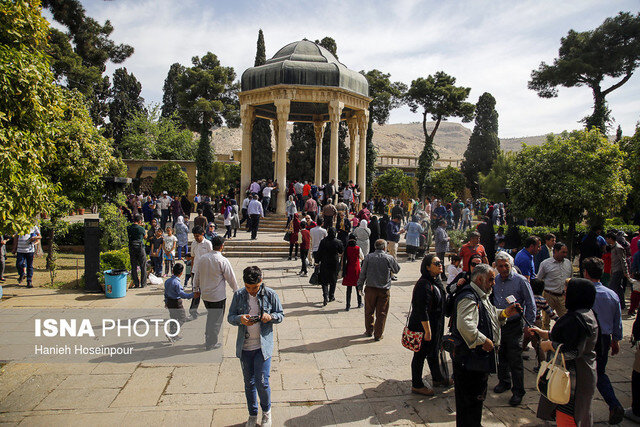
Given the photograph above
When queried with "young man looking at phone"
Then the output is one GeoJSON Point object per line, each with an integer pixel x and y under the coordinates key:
{"type": "Point", "coordinates": [254, 309]}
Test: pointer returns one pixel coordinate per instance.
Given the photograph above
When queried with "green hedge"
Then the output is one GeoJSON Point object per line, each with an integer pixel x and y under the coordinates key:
{"type": "Point", "coordinates": [73, 237]}
{"type": "Point", "coordinates": [114, 260]}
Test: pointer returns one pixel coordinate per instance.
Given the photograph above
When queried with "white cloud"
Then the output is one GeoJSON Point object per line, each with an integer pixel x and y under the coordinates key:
{"type": "Point", "coordinates": [488, 46]}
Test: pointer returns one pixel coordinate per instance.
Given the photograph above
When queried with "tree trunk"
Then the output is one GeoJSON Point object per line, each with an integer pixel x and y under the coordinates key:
{"type": "Point", "coordinates": [570, 238]}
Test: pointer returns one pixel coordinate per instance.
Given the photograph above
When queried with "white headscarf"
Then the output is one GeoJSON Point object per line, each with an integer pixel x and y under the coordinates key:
{"type": "Point", "coordinates": [363, 223]}
{"type": "Point", "coordinates": [180, 220]}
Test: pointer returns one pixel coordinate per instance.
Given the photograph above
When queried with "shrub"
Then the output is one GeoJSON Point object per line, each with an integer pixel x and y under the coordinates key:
{"type": "Point", "coordinates": [113, 228]}
{"type": "Point", "coordinates": [114, 260]}
{"type": "Point", "coordinates": [171, 178]}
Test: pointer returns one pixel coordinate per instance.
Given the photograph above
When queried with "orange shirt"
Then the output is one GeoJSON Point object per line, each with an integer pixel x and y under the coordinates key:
{"type": "Point", "coordinates": [306, 190]}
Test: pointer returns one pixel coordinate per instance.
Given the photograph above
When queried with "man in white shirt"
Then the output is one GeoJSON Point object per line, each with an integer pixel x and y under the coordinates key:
{"type": "Point", "coordinates": [199, 247]}
{"type": "Point", "coordinates": [255, 211]}
{"type": "Point", "coordinates": [317, 234]}
{"type": "Point", "coordinates": [24, 247]}
{"type": "Point", "coordinates": [213, 271]}
{"type": "Point", "coordinates": [554, 272]}
{"type": "Point", "coordinates": [254, 187]}
{"type": "Point", "coordinates": [164, 202]}
{"type": "Point", "coordinates": [245, 215]}
{"type": "Point", "coordinates": [266, 196]}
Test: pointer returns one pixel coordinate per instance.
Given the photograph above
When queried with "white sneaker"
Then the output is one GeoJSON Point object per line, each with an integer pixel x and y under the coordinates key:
{"type": "Point", "coordinates": [266, 419]}
{"type": "Point", "coordinates": [252, 421]}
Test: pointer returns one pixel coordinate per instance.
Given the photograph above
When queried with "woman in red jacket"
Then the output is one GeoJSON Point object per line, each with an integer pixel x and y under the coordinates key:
{"type": "Point", "coordinates": [293, 240]}
{"type": "Point", "coordinates": [305, 245]}
{"type": "Point", "coordinates": [351, 268]}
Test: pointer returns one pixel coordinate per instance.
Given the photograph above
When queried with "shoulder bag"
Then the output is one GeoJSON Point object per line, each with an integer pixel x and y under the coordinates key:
{"type": "Point", "coordinates": [411, 340]}
{"type": "Point", "coordinates": [554, 381]}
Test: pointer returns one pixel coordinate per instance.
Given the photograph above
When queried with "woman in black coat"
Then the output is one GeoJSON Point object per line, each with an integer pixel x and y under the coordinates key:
{"type": "Point", "coordinates": [427, 315]}
{"type": "Point", "coordinates": [374, 226]}
{"type": "Point", "coordinates": [329, 261]}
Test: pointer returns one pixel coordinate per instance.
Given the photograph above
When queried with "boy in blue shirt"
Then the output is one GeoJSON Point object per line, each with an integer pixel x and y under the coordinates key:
{"type": "Point", "coordinates": [173, 295]}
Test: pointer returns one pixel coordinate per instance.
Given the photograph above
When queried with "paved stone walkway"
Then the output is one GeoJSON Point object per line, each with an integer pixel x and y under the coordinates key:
{"type": "Point", "coordinates": [324, 371]}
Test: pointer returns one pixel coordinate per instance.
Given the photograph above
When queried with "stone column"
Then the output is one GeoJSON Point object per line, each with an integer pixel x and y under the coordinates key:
{"type": "Point", "coordinates": [318, 128]}
{"type": "Point", "coordinates": [352, 123]}
{"type": "Point", "coordinates": [247, 115]}
{"type": "Point", "coordinates": [282, 107]}
{"type": "Point", "coordinates": [335, 111]}
{"type": "Point", "coordinates": [275, 149]}
{"type": "Point", "coordinates": [363, 123]}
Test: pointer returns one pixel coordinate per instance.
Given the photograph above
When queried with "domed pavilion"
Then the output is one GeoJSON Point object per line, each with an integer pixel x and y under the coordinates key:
{"type": "Point", "coordinates": [304, 82]}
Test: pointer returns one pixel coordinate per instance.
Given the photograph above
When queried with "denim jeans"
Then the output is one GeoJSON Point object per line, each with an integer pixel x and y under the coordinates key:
{"type": "Point", "coordinates": [182, 250]}
{"type": "Point", "coordinates": [256, 373]}
{"type": "Point", "coordinates": [156, 261]}
{"type": "Point", "coordinates": [25, 259]}
{"type": "Point", "coordinates": [603, 383]}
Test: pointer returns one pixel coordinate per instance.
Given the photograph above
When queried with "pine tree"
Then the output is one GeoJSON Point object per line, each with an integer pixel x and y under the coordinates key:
{"type": "Point", "coordinates": [170, 90]}
{"type": "Point", "coordinates": [619, 134]}
{"type": "Point", "coordinates": [261, 150]}
{"type": "Point", "coordinates": [302, 153]}
{"type": "Point", "coordinates": [126, 103]}
{"type": "Point", "coordinates": [484, 144]}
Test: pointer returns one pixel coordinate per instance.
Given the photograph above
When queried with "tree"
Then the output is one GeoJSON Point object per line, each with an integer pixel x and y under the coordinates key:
{"type": "Point", "coordinates": [302, 153]}
{"type": "Point", "coordinates": [149, 135]}
{"type": "Point", "coordinates": [207, 96]}
{"type": "Point", "coordinates": [484, 144]}
{"type": "Point", "coordinates": [79, 57]}
{"type": "Point", "coordinates": [583, 178]}
{"type": "Point", "coordinates": [393, 183]}
{"type": "Point", "coordinates": [619, 133]}
{"type": "Point", "coordinates": [448, 184]}
{"type": "Point", "coordinates": [630, 146]}
{"type": "Point", "coordinates": [437, 96]}
{"type": "Point", "coordinates": [494, 185]}
{"type": "Point", "coordinates": [29, 104]}
{"type": "Point", "coordinates": [385, 97]}
{"type": "Point", "coordinates": [172, 179]}
{"type": "Point", "coordinates": [330, 44]}
{"type": "Point", "coordinates": [125, 103]}
{"type": "Point", "coordinates": [586, 58]}
{"type": "Point", "coordinates": [261, 150]}
{"type": "Point", "coordinates": [170, 91]}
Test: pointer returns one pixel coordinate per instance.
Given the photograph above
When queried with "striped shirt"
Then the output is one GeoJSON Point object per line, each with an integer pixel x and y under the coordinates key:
{"type": "Point", "coordinates": [25, 246]}
{"type": "Point", "coordinates": [543, 305]}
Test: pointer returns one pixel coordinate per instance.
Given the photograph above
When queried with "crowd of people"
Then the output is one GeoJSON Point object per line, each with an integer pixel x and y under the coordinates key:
{"type": "Point", "coordinates": [484, 304]}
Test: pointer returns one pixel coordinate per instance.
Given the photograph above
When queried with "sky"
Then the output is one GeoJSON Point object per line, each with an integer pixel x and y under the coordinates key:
{"type": "Point", "coordinates": [489, 46]}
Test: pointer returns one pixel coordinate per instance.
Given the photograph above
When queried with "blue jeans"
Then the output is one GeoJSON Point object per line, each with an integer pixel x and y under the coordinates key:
{"type": "Point", "coordinates": [157, 265]}
{"type": "Point", "coordinates": [603, 383]}
{"type": "Point", "coordinates": [25, 260]}
{"type": "Point", "coordinates": [265, 204]}
{"type": "Point", "coordinates": [182, 250]}
{"type": "Point", "coordinates": [256, 373]}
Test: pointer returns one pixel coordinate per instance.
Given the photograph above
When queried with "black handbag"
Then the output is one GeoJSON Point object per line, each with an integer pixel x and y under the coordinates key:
{"type": "Point", "coordinates": [287, 236]}
{"type": "Point", "coordinates": [313, 280]}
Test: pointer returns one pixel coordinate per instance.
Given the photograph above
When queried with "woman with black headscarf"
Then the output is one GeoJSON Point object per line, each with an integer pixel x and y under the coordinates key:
{"type": "Point", "coordinates": [374, 226]}
{"type": "Point", "coordinates": [577, 331]}
{"type": "Point", "coordinates": [329, 261]}
{"type": "Point", "coordinates": [427, 315]}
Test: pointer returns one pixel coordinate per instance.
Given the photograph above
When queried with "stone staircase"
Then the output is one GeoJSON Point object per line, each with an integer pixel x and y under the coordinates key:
{"type": "Point", "coordinates": [270, 243]}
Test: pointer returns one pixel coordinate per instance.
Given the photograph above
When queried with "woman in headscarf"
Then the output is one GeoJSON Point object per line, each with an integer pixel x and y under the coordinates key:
{"type": "Point", "coordinates": [187, 207]}
{"type": "Point", "coordinates": [235, 220]}
{"type": "Point", "coordinates": [228, 217]}
{"type": "Point", "coordinates": [577, 331]}
{"type": "Point", "coordinates": [210, 232]}
{"type": "Point", "coordinates": [413, 237]}
{"type": "Point", "coordinates": [427, 315]}
{"type": "Point", "coordinates": [363, 235]}
{"type": "Point", "coordinates": [343, 225]}
{"type": "Point", "coordinates": [351, 268]}
{"type": "Point", "coordinates": [294, 228]}
{"type": "Point", "coordinates": [291, 210]}
{"type": "Point", "coordinates": [329, 263]}
{"type": "Point", "coordinates": [207, 210]}
{"type": "Point", "coordinates": [375, 232]}
{"type": "Point", "coordinates": [182, 234]}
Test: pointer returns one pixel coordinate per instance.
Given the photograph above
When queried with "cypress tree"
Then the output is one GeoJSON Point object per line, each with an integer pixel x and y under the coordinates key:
{"type": "Point", "coordinates": [484, 144]}
{"type": "Point", "coordinates": [170, 90]}
{"type": "Point", "coordinates": [261, 150]}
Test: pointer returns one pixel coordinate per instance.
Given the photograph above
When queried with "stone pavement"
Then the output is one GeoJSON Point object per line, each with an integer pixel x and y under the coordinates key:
{"type": "Point", "coordinates": [324, 371]}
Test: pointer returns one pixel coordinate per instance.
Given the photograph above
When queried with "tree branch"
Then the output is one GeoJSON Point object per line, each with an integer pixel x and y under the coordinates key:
{"type": "Point", "coordinates": [617, 85]}
{"type": "Point", "coordinates": [435, 128]}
